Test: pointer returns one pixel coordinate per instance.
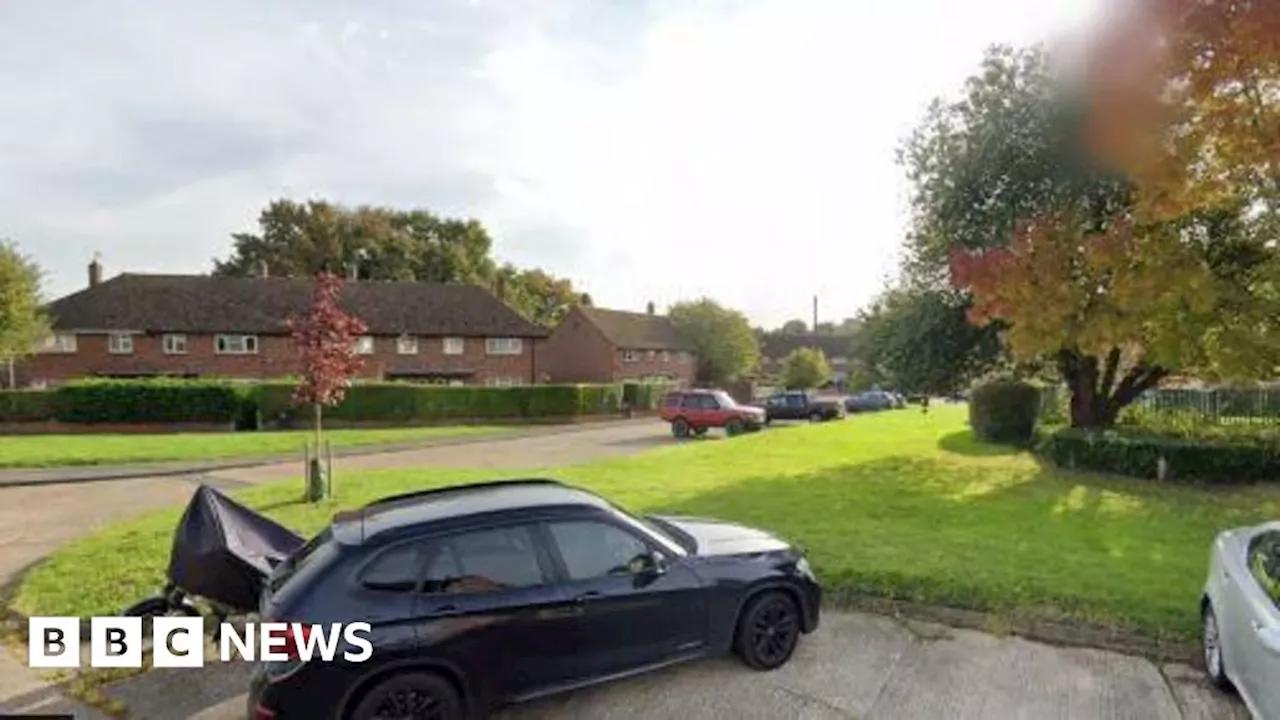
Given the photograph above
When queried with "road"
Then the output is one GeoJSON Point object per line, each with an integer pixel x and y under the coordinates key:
{"type": "Point", "coordinates": [856, 665]}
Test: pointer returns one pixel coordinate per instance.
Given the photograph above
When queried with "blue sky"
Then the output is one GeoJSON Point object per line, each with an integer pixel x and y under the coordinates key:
{"type": "Point", "coordinates": [647, 150]}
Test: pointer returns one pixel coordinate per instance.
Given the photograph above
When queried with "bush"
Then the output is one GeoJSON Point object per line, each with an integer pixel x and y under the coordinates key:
{"type": "Point", "coordinates": [407, 403]}
{"type": "Point", "coordinates": [1004, 410]}
{"type": "Point", "coordinates": [1138, 454]}
{"type": "Point", "coordinates": [148, 401]}
{"type": "Point", "coordinates": [26, 405]}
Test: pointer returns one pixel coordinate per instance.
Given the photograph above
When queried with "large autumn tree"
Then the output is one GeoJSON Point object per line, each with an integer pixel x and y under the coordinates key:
{"type": "Point", "coordinates": [1013, 210]}
{"type": "Point", "coordinates": [298, 239]}
{"type": "Point", "coordinates": [726, 344]}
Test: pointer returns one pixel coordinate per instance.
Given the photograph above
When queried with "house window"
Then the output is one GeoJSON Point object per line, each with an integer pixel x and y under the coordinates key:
{"type": "Point", "coordinates": [502, 346]}
{"type": "Point", "coordinates": [503, 381]}
{"type": "Point", "coordinates": [666, 356]}
{"type": "Point", "coordinates": [364, 345]}
{"type": "Point", "coordinates": [236, 344]}
{"type": "Point", "coordinates": [453, 346]}
{"type": "Point", "coordinates": [59, 343]}
{"type": "Point", "coordinates": [175, 344]}
{"type": "Point", "coordinates": [407, 345]}
{"type": "Point", "coordinates": [650, 355]}
{"type": "Point", "coordinates": [628, 356]}
{"type": "Point", "coordinates": [120, 343]}
{"type": "Point", "coordinates": [839, 360]}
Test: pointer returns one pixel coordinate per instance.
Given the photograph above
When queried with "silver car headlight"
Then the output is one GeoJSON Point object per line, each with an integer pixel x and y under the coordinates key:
{"type": "Point", "coordinates": [802, 566]}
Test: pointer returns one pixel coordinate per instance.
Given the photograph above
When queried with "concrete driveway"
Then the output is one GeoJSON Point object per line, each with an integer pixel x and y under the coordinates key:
{"type": "Point", "coordinates": [856, 665]}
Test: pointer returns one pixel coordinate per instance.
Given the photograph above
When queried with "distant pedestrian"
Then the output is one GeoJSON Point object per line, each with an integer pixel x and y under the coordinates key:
{"type": "Point", "coordinates": [924, 405]}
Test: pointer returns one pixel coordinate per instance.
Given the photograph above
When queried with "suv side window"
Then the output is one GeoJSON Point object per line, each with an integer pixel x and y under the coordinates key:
{"type": "Point", "coordinates": [593, 549]}
{"type": "Point", "coordinates": [1264, 563]}
{"type": "Point", "coordinates": [485, 561]}
{"type": "Point", "coordinates": [397, 569]}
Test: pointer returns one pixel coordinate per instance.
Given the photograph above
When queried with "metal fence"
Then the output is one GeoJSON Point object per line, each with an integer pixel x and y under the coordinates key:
{"type": "Point", "coordinates": [1228, 406]}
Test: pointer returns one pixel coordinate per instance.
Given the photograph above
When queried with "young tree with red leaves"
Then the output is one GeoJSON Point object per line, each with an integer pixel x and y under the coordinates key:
{"type": "Point", "coordinates": [325, 339]}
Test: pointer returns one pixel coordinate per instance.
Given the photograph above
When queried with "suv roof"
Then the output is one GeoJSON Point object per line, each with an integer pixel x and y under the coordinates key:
{"type": "Point", "coordinates": [456, 501]}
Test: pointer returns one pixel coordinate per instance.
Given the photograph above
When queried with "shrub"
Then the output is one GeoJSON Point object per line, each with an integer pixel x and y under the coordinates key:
{"type": "Point", "coordinates": [148, 401]}
{"type": "Point", "coordinates": [1004, 410]}
{"type": "Point", "coordinates": [1137, 454]}
{"type": "Point", "coordinates": [26, 405]}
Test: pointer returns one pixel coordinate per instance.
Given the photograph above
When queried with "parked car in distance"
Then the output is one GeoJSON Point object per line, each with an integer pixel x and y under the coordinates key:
{"type": "Point", "coordinates": [802, 405]}
{"type": "Point", "coordinates": [869, 401]}
{"type": "Point", "coordinates": [693, 412]}
{"type": "Point", "coordinates": [488, 594]}
{"type": "Point", "coordinates": [1240, 616]}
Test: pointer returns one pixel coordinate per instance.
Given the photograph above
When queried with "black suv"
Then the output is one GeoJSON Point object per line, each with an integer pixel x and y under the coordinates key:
{"type": "Point", "coordinates": [483, 595]}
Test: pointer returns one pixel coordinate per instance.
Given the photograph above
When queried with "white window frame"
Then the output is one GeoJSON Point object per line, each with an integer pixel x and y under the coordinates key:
{"type": "Point", "coordinates": [628, 356]}
{"type": "Point", "coordinates": [222, 344]}
{"type": "Point", "coordinates": [504, 382]}
{"type": "Point", "coordinates": [666, 356]}
{"type": "Point", "coordinates": [453, 345]}
{"type": "Point", "coordinates": [650, 355]}
{"type": "Point", "coordinates": [503, 346]}
{"type": "Point", "coordinates": [120, 343]}
{"type": "Point", "coordinates": [59, 343]}
{"type": "Point", "coordinates": [174, 344]}
{"type": "Point", "coordinates": [407, 345]}
{"type": "Point", "coordinates": [364, 345]}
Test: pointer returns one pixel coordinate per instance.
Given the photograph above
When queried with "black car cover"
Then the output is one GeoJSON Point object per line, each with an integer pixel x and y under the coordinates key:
{"type": "Point", "coordinates": [224, 551]}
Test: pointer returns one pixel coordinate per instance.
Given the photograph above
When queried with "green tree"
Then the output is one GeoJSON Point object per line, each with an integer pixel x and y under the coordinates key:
{"type": "Point", "coordinates": [726, 345]}
{"type": "Point", "coordinates": [794, 327]}
{"type": "Point", "coordinates": [805, 368]}
{"type": "Point", "coordinates": [920, 340]}
{"type": "Point", "coordinates": [299, 239]}
{"type": "Point", "coordinates": [23, 323]}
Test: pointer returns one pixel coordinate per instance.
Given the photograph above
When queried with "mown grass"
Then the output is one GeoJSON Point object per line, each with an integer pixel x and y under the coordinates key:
{"type": "Point", "coordinates": [33, 451]}
{"type": "Point", "coordinates": [894, 504]}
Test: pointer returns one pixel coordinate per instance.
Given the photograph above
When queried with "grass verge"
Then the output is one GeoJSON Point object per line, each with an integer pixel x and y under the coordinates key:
{"type": "Point", "coordinates": [34, 451]}
{"type": "Point", "coordinates": [894, 505]}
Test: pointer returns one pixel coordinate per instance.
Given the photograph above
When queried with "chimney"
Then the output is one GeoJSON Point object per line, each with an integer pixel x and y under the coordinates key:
{"type": "Point", "coordinates": [95, 270]}
{"type": "Point", "coordinates": [650, 308]}
{"type": "Point", "coordinates": [262, 269]}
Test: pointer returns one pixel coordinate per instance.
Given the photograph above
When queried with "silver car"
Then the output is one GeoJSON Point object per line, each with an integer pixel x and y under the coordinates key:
{"type": "Point", "coordinates": [1241, 618]}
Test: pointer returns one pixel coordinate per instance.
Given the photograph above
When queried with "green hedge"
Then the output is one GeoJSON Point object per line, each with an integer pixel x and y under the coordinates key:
{"type": "Point", "coordinates": [1004, 410]}
{"type": "Point", "coordinates": [26, 406]}
{"type": "Point", "coordinates": [149, 401]}
{"type": "Point", "coordinates": [1139, 455]}
{"type": "Point", "coordinates": [409, 403]}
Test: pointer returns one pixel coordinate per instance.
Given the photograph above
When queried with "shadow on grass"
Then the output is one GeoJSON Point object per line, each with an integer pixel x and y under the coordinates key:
{"type": "Point", "coordinates": [964, 442]}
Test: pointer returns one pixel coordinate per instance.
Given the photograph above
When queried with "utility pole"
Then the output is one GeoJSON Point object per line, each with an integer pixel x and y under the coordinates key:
{"type": "Point", "coordinates": [815, 315]}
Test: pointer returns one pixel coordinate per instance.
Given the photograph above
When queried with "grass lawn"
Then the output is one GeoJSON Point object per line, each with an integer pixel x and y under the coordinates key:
{"type": "Point", "coordinates": [90, 449]}
{"type": "Point", "coordinates": [893, 504]}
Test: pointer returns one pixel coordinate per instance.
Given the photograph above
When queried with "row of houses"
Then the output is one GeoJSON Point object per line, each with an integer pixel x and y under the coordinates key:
{"type": "Point", "coordinates": [141, 325]}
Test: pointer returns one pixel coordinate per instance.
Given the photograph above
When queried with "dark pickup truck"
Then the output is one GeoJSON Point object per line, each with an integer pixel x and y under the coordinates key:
{"type": "Point", "coordinates": [801, 405]}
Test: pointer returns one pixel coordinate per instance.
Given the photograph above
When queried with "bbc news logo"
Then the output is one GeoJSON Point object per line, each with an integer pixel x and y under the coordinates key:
{"type": "Point", "coordinates": [178, 642]}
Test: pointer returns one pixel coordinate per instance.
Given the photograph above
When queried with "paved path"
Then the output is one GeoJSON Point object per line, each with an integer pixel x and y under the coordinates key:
{"type": "Point", "coordinates": [856, 665]}
{"type": "Point", "coordinates": [37, 519]}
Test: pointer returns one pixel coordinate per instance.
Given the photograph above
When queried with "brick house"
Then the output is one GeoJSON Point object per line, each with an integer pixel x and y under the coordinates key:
{"type": "Point", "coordinates": [137, 325]}
{"type": "Point", "coordinates": [775, 347]}
{"type": "Point", "coordinates": [597, 345]}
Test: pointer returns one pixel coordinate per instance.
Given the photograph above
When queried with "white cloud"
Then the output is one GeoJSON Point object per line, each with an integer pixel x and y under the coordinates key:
{"type": "Point", "coordinates": [648, 150]}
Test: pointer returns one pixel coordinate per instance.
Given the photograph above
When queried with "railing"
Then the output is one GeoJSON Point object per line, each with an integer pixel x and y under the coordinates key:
{"type": "Point", "coordinates": [1218, 405]}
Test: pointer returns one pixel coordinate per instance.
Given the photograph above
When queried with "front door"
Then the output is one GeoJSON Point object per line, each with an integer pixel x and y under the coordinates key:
{"type": "Point", "coordinates": [629, 619]}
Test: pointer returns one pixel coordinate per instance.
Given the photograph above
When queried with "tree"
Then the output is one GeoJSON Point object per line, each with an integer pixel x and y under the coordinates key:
{"type": "Point", "coordinates": [1184, 97]}
{"type": "Point", "coordinates": [794, 327]}
{"type": "Point", "coordinates": [325, 339]}
{"type": "Point", "coordinates": [727, 347]}
{"type": "Point", "coordinates": [380, 243]}
{"type": "Point", "coordinates": [805, 368]}
{"type": "Point", "coordinates": [919, 340]}
{"type": "Point", "coordinates": [23, 323]}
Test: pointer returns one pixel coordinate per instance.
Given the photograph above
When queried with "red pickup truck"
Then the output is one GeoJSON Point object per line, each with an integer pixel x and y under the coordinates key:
{"type": "Point", "coordinates": [693, 412]}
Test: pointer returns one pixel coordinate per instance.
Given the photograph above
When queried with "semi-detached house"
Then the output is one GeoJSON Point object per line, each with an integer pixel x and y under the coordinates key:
{"type": "Point", "coordinates": [136, 325]}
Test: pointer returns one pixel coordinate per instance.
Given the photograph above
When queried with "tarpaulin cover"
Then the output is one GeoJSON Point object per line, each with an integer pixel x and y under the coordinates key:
{"type": "Point", "coordinates": [223, 551]}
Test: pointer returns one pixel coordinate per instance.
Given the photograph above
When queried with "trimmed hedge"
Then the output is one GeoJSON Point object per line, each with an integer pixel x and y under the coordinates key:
{"type": "Point", "coordinates": [1004, 410]}
{"type": "Point", "coordinates": [1140, 455]}
{"type": "Point", "coordinates": [26, 406]}
{"type": "Point", "coordinates": [148, 401]}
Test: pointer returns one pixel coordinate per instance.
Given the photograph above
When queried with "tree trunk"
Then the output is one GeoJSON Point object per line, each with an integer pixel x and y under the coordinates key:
{"type": "Point", "coordinates": [1097, 398]}
{"type": "Point", "coordinates": [317, 480]}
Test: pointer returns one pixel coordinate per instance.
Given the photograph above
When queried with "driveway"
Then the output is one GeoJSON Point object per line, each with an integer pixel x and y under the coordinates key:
{"type": "Point", "coordinates": [856, 665]}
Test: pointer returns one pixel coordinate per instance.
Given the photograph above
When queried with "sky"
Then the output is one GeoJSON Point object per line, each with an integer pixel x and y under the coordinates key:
{"type": "Point", "coordinates": [649, 151]}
